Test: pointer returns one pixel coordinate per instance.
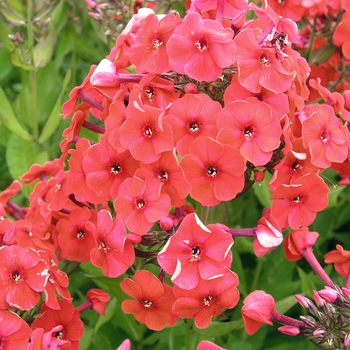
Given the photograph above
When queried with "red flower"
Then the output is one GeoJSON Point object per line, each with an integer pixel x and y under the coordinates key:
{"type": "Point", "coordinates": [14, 332]}
{"type": "Point", "coordinates": [341, 35]}
{"type": "Point", "coordinates": [340, 258]}
{"type": "Point", "coordinates": [325, 136]}
{"type": "Point", "coordinates": [190, 117]}
{"type": "Point", "coordinates": [99, 300]}
{"type": "Point", "coordinates": [41, 340]}
{"type": "Point", "coordinates": [297, 204]}
{"type": "Point", "coordinates": [207, 345]}
{"type": "Point", "coordinates": [114, 253]}
{"type": "Point", "coordinates": [106, 169]}
{"type": "Point", "coordinates": [250, 126]}
{"type": "Point", "coordinates": [208, 299]}
{"type": "Point", "coordinates": [257, 309]}
{"type": "Point", "coordinates": [140, 204]}
{"type": "Point", "coordinates": [153, 300]}
{"type": "Point", "coordinates": [215, 171]}
{"type": "Point", "coordinates": [151, 39]}
{"type": "Point", "coordinates": [168, 171]}
{"type": "Point", "coordinates": [74, 239]}
{"type": "Point", "coordinates": [196, 251]}
{"type": "Point", "coordinates": [68, 318]}
{"type": "Point", "coordinates": [201, 48]}
{"type": "Point", "coordinates": [23, 276]}
{"type": "Point", "coordinates": [144, 133]}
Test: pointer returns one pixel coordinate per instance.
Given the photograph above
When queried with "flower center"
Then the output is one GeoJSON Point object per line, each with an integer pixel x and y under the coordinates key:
{"type": "Point", "coordinates": [148, 131]}
{"type": "Point", "coordinates": [195, 252]}
{"type": "Point", "coordinates": [16, 275]}
{"type": "Point", "coordinates": [157, 42]}
{"type": "Point", "coordinates": [116, 168]}
{"type": "Point", "coordinates": [207, 300]}
{"type": "Point", "coordinates": [248, 132]}
{"type": "Point", "coordinates": [193, 127]}
{"type": "Point", "coordinates": [297, 199]}
{"type": "Point", "coordinates": [149, 92]}
{"type": "Point", "coordinates": [147, 304]}
{"type": "Point", "coordinates": [296, 166]}
{"type": "Point", "coordinates": [201, 44]}
{"type": "Point", "coordinates": [162, 175]}
{"type": "Point", "coordinates": [80, 234]}
{"type": "Point", "coordinates": [325, 136]}
{"type": "Point", "coordinates": [264, 61]}
{"type": "Point", "coordinates": [59, 335]}
{"type": "Point", "coordinates": [212, 171]}
{"type": "Point", "coordinates": [140, 203]}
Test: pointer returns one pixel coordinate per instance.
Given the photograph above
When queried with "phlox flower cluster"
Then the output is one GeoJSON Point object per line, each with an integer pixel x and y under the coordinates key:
{"type": "Point", "coordinates": [188, 113]}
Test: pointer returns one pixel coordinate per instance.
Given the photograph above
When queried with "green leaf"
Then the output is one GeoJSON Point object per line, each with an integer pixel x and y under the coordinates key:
{"type": "Point", "coordinates": [306, 282]}
{"type": "Point", "coordinates": [285, 304]}
{"type": "Point", "coordinates": [19, 59]}
{"type": "Point", "coordinates": [44, 49]}
{"type": "Point", "coordinates": [55, 118]}
{"type": "Point", "coordinates": [109, 314]}
{"type": "Point", "coordinates": [20, 155]}
{"type": "Point", "coordinates": [8, 118]}
{"type": "Point", "coordinates": [12, 16]}
{"type": "Point", "coordinates": [333, 195]}
{"type": "Point", "coordinates": [217, 329]}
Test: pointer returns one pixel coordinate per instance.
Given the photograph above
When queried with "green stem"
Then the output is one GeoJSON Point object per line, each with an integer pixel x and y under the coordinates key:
{"type": "Point", "coordinates": [189, 332]}
{"type": "Point", "coordinates": [258, 270]}
{"type": "Point", "coordinates": [33, 76]}
{"type": "Point", "coordinates": [311, 42]}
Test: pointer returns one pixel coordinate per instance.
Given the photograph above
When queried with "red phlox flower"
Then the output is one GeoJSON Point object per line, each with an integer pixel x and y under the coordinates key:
{"type": "Point", "coordinates": [153, 300]}
{"type": "Point", "coordinates": [258, 66]}
{"type": "Point", "coordinates": [196, 252]}
{"type": "Point", "coordinates": [190, 117]}
{"type": "Point", "coordinates": [8, 234]}
{"type": "Point", "coordinates": [155, 91]}
{"type": "Point", "coordinates": [14, 332]}
{"type": "Point", "coordinates": [23, 275]}
{"type": "Point", "coordinates": [140, 203]}
{"type": "Point", "coordinates": [334, 99]}
{"type": "Point", "coordinates": [278, 102]}
{"type": "Point", "coordinates": [325, 136]}
{"type": "Point", "coordinates": [9, 192]}
{"type": "Point", "coordinates": [250, 126]}
{"type": "Point", "coordinates": [168, 171]}
{"type": "Point", "coordinates": [268, 235]}
{"type": "Point", "coordinates": [41, 340]}
{"type": "Point", "coordinates": [214, 171]}
{"type": "Point", "coordinates": [42, 172]}
{"type": "Point", "coordinates": [340, 258]}
{"type": "Point", "coordinates": [288, 9]}
{"type": "Point", "coordinates": [295, 164]}
{"type": "Point", "coordinates": [297, 242]}
{"type": "Point", "coordinates": [114, 253]}
{"type": "Point", "coordinates": [74, 239]}
{"type": "Point", "coordinates": [145, 133]}
{"type": "Point", "coordinates": [151, 39]}
{"type": "Point", "coordinates": [297, 204]}
{"type": "Point", "coordinates": [201, 48]}
{"type": "Point", "coordinates": [257, 309]}
{"type": "Point", "coordinates": [106, 169]}
{"type": "Point", "coordinates": [76, 177]}
{"type": "Point", "coordinates": [67, 318]}
{"type": "Point", "coordinates": [341, 36]}
{"type": "Point", "coordinates": [99, 300]}
{"type": "Point", "coordinates": [57, 282]}
{"type": "Point", "coordinates": [208, 299]}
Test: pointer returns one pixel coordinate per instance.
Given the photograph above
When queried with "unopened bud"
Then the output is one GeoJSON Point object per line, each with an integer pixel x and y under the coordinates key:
{"type": "Point", "coordinates": [166, 224]}
{"type": "Point", "coordinates": [319, 332]}
{"type": "Point", "coordinates": [346, 292]}
{"type": "Point", "coordinates": [289, 330]}
{"type": "Point", "coordinates": [259, 176]}
{"type": "Point", "coordinates": [319, 301]}
{"type": "Point", "coordinates": [328, 294]}
{"type": "Point", "coordinates": [309, 321]}
{"type": "Point", "coordinates": [347, 339]}
{"type": "Point", "coordinates": [191, 88]}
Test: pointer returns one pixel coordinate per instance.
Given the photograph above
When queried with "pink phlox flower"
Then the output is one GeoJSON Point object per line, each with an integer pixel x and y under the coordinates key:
{"type": "Point", "coordinates": [41, 340]}
{"type": "Point", "coordinates": [208, 299]}
{"type": "Point", "coordinates": [297, 203]}
{"type": "Point", "coordinates": [208, 345]}
{"type": "Point", "coordinates": [250, 126]}
{"type": "Point", "coordinates": [151, 39]}
{"type": "Point", "coordinates": [257, 309]}
{"type": "Point", "coordinates": [214, 171]}
{"type": "Point", "coordinates": [145, 133]}
{"type": "Point", "coordinates": [340, 258]}
{"type": "Point", "coordinates": [201, 48]}
{"type": "Point", "coordinates": [325, 136]}
{"type": "Point", "coordinates": [190, 117]}
{"type": "Point", "coordinates": [196, 252]}
{"type": "Point", "coordinates": [125, 345]}
{"type": "Point", "coordinates": [140, 203]}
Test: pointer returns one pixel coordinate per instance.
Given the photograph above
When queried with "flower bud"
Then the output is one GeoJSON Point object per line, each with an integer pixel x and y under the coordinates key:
{"type": "Point", "coordinates": [319, 301]}
{"type": "Point", "coordinates": [166, 223]}
{"type": "Point", "coordinates": [191, 88]}
{"type": "Point", "coordinates": [328, 294]}
{"type": "Point", "coordinates": [259, 176]}
{"type": "Point", "coordinates": [289, 330]}
{"type": "Point", "coordinates": [347, 339]}
{"type": "Point", "coordinates": [319, 332]}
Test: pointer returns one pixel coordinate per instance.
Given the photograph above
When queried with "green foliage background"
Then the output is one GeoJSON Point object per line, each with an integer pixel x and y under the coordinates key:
{"type": "Point", "coordinates": [60, 60]}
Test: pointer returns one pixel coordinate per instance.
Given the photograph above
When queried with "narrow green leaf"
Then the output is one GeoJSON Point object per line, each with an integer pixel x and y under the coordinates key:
{"type": "Point", "coordinates": [12, 16]}
{"type": "Point", "coordinates": [55, 118]}
{"type": "Point", "coordinates": [44, 49]}
{"type": "Point", "coordinates": [7, 116]}
{"type": "Point", "coordinates": [285, 304]}
{"type": "Point", "coordinates": [19, 59]}
{"type": "Point", "coordinates": [262, 191]}
{"type": "Point", "coordinates": [218, 329]}
{"type": "Point", "coordinates": [307, 284]}
{"type": "Point", "coordinates": [109, 314]}
{"type": "Point", "coordinates": [20, 155]}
